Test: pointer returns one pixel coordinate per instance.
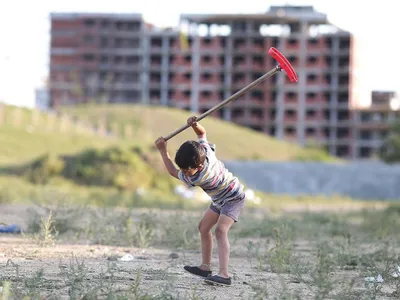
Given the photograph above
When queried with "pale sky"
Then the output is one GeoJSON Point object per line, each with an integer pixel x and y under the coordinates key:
{"type": "Point", "coordinates": [25, 27]}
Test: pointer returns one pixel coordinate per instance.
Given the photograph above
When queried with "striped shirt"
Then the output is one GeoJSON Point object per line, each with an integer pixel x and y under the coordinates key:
{"type": "Point", "coordinates": [214, 178]}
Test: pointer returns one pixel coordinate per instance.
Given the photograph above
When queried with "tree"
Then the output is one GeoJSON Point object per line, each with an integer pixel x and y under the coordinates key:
{"type": "Point", "coordinates": [390, 151]}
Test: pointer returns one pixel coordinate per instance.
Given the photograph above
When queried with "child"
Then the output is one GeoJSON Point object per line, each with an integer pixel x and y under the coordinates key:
{"type": "Point", "coordinates": [199, 166]}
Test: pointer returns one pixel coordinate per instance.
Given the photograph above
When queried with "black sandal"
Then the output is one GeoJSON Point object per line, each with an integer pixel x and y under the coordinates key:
{"type": "Point", "coordinates": [197, 271]}
{"type": "Point", "coordinates": [218, 280]}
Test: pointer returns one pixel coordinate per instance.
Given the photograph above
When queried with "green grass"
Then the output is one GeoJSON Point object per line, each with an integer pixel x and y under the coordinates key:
{"type": "Point", "coordinates": [233, 142]}
{"type": "Point", "coordinates": [20, 145]}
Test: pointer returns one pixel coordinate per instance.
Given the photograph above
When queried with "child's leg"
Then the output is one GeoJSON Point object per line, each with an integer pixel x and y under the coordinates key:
{"type": "Point", "coordinates": [221, 234]}
{"type": "Point", "coordinates": [208, 221]}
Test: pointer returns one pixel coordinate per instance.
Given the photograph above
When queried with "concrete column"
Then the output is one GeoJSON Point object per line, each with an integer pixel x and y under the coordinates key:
{"type": "Point", "coordinates": [355, 119]}
{"type": "Point", "coordinates": [145, 69]}
{"type": "Point", "coordinates": [333, 107]}
{"type": "Point", "coordinates": [194, 101]}
{"type": "Point", "coordinates": [165, 70]}
{"type": "Point", "coordinates": [280, 93]}
{"type": "Point", "coordinates": [228, 77]}
{"type": "Point", "coordinates": [302, 74]}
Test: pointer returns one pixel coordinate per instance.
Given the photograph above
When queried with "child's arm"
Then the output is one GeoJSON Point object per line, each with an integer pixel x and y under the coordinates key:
{"type": "Point", "coordinates": [198, 129]}
{"type": "Point", "coordinates": [161, 145]}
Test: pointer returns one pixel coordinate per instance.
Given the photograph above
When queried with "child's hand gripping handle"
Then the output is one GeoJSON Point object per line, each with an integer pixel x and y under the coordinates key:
{"type": "Point", "coordinates": [179, 130]}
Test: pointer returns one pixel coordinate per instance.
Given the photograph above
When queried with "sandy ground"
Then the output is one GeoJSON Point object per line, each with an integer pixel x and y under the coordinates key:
{"type": "Point", "coordinates": [87, 267]}
{"type": "Point", "coordinates": [157, 267]}
{"type": "Point", "coordinates": [162, 272]}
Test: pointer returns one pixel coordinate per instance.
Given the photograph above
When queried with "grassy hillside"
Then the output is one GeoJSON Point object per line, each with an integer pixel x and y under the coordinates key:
{"type": "Point", "coordinates": [19, 145]}
{"type": "Point", "coordinates": [28, 139]}
{"type": "Point", "coordinates": [27, 134]}
{"type": "Point", "coordinates": [105, 169]}
{"type": "Point", "coordinates": [23, 159]}
{"type": "Point", "coordinates": [233, 141]}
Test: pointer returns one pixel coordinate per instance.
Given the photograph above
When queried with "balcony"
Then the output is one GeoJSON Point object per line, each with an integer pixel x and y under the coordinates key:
{"type": "Point", "coordinates": [344, 140]}
{"type": "Point", "coordinates": [125, 85]}
{"type": "Point", "coordinates": [248, 120]}
{"type": "Point", "coordinates": [88, 64]}
{"type": "Point", "coordinates": [208, 100]}
{"type": "Point", "coordinates": [213, 44]}
{"type": "Point", "coordinates": [242, 66]}
{"type": "Point", "coordinates": [255, 103]}
{"type": "Point", "coordinates": [210, 64]}
{"type": "Point", "coordinates": [260, 67]}
{"type": "Point", "coordinates": [243, 48]}
{"type": "Point", "coordinates": [373, 143]}
{"type": "Point", "coordinates": [319, 63]}
{"type": "Point", "coordinates": [290, 100]}
{"type": "Point", "coordinates": [123, 51]}
{"type": "Point", "coordinates": [156, 50]}
{"type": "Point", "coordinates": [177, 47]}
{"type": "Point", "coordinates": [290, 137]}
{"type": "Point", "coordinates": [155, 66]}
{"type": "Point", "coordinates": [257, 49]}
{"type": "Point", "coordinates": [317, 100]}
{"type": "Point", "coordinates": [208, 104]}
{"type": "Point", "coordinates": [372, 125]}
{"type": "Point", "coordinates": [126, 67]}
{"type": "Point", "coordinates": [290, 120]}
{"type": "Point", "coordinates": [88, 49]}
{"type": "Point", "coordinates": [63, 51]}
{"type": "Point", "coordinates": [134, 32]}
{"type": "Point", "coordinates": [155, 84]}
{"type": "Point", "coordinates": [239, 84]}
{"type": "Point", "coordinates": [292, 45]}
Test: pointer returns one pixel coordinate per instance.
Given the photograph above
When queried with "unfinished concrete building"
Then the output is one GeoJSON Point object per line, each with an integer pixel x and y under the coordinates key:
{"type": "Point", "coordinates": [372, 123]}
{"type": "Point", "coordinates": [96, 57]}
{"type": "Point", "coordinates": [120, 58]}
{"type": "Point", "coordinates": [230, 51]}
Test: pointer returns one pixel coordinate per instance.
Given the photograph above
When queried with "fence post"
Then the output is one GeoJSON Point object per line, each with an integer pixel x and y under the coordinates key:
{"type": "Point", "coordinates": [50, 121]}
{"type": "Point", "coordinates": [64, 123]}
{"type": "Point", "coordinates": [2, 114]}
{"type": "Point", "coordinates": [101, 128]}
{"type": "Point", "coordinates": [35, 118]}
{"type": "Point", "coordinates": [128, 131]}
{"type": "Point", "coordinates": [115, 129]}
{"type": "Point", "coordinates": [17, 117]}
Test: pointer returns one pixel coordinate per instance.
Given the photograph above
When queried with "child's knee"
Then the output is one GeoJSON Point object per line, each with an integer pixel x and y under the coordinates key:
{"type": "Point", "coordinates": [221, 232]}
{"type": "Point", "coordinates": [203, 228]}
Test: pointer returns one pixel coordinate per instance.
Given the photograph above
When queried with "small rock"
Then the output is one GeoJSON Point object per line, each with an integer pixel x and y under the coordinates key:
{"type": "Point", "coordinates": [396, 274]}
{"type": "Point", "coordinates": [378, 279]}
{"type": "Point", "coordinates": [295, 281]}
{"type": "Point", "coordinates": [173, 255]}
{"type": "Point", "coordinates": [127, 257]}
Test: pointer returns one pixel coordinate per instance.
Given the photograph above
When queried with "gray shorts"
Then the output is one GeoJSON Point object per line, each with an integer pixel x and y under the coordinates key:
{"type": "Point", "coordinates": [231, 208]}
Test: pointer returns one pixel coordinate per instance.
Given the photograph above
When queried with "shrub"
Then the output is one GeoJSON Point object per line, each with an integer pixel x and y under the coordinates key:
{"type": "Point", "coordinates": [44, 168]}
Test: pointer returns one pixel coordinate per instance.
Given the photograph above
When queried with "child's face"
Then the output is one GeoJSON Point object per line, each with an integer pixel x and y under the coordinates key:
{"type": "Point", "coordinates": [191, 171]}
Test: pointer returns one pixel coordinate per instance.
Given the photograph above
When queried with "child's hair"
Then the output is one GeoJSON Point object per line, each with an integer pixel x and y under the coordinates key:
{"type": "Point", "coordinates": [190, 155]}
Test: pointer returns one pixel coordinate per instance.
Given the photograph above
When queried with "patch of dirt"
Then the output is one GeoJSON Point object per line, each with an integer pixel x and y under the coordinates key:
{"type": "Point", "coordinates": [69, 268]}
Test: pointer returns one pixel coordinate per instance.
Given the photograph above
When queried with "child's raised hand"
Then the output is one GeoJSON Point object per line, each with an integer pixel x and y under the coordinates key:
{"type": "Point", "coordinates": [192, 121]}
{"type": "Point", "coordinates": [161, 144]}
